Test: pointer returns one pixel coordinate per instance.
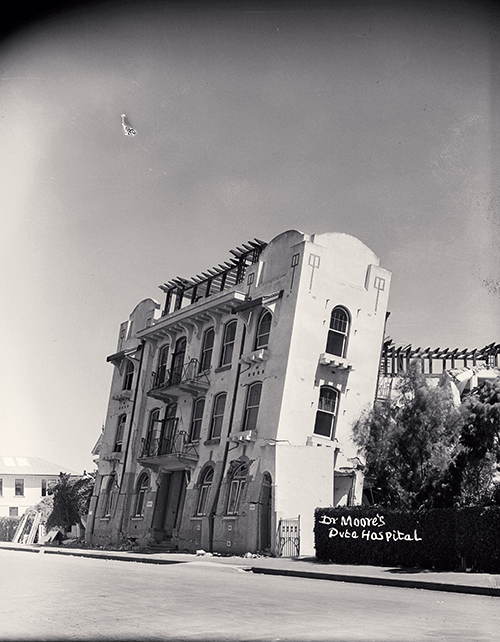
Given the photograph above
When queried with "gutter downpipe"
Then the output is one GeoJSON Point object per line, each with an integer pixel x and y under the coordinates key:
{"type": "Point", "coordinates": [213, 510]}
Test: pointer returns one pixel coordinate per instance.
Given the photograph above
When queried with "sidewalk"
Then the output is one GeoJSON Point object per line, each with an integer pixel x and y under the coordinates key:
{"type": "Point", "coordinates": [305, 567]}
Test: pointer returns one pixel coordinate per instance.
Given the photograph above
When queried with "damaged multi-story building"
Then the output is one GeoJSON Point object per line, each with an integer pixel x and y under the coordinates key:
{"type": "Point", "coordinates": [230, 410]}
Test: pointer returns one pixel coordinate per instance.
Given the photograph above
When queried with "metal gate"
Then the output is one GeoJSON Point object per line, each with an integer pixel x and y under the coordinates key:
{"type": "Point", "coordinates": [288, 537]}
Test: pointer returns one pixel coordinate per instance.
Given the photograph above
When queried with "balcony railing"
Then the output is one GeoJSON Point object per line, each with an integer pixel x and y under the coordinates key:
{"type": "Point", "coordinates": [187, 377]}
{"type": "Point", "coordinates": [175, 442]}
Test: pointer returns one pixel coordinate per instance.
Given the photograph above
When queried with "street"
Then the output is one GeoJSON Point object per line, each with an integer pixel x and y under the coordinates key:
{"type": "Point", "coordinates": [55, 597]}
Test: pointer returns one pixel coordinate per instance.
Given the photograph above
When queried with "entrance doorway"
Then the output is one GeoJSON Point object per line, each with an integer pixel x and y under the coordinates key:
{"type": "Point", "coordinates": [265, 513]}
{"type": "Point", "coordinates": [169, 504]}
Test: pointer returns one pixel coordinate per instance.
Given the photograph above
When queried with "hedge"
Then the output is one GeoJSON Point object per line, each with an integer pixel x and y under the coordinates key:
{"type": "Point", "coordinates": [441, 539]}
{"type": "Point", "coordinates": [8, 527]}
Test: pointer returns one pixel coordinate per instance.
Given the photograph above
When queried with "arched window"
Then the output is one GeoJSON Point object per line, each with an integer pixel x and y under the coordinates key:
{"type": "Point", "coordinates": [161, 376]}
{"type": "Point", "coordinates": [263, 330]}
{"type": "Point", "coordinates": [151, 443]}
{"type": "Point", "coordinates": [178, 361]}
{"type": "Point", "coordinates": [228, 343]}
{"type": "Point", "coordinates": [109, 496]}
{"type": "Point", "coordinates": [120, 431]}
{"type": "Point", "coordinates": [142, 489]}
{"type": "Point", "coordinates": [168, 430]}
{"type": "Point", "coordinates": [236, 488]}
{"type": "Point", "coordinates": [196, 420]}
{"type": "Point", "coordinates": [128, 375]}
{"type": "Point", "coordinates": [207, 350]}
{"type": "Point", "coordinates": [327, 412]}
{"type": "Point", "coordinates": [252, 406]}
{"type": "Point", "coordinates": [338, 333]}
{"type": "Point", "coordinates": [205, 485]}
{"type": "Point", "coordinates": [217, 415]}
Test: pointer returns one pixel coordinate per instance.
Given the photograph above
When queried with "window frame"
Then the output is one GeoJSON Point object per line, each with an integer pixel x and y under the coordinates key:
{"type": "Point", "coordinates": [207, 352]}
{"type": "Point", "coordinates": [178, 360]}
{"type": "Point", "coordinates": [154, 417]}
{"type": "Point", "coordinates": [161, 368]}
{"type": "Point", "coordinates": [120, 433]}
{"type": "Point", "coordinates": [237, 486]}
{"type": "Point", "coordinates": [205, 486]}
{"type": "Point", "coordinates": [258, 344]}
{"type": "Point", "coordinates": [197, 419]}
{"type": "Point", "coordinates": [217, 416]}
{"type": "Point", "coordinates": [228, 343]}
{"type": "Point", "coordinates": [109, 495]}
{"type": "Point", "coordinates": [128, 375]}
{"type": "Point", "coordinates": [19, 486]}
{"type": "Point", "coordinates": [323, 411]}
{"type": "Point", "coordinates": [142, 488]}
{"type": "Point", "coordinates": [252, 410]}
{"type": "Point", "coordinates": [338, 335]}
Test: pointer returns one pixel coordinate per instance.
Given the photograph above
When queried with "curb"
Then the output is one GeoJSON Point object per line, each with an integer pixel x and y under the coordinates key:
{"type": "Point", "coordinates": [490, 591]}
{"type": "Point", "coordinates": [111, 556]}
{"type": "Point", "coordinates": [100, 555]}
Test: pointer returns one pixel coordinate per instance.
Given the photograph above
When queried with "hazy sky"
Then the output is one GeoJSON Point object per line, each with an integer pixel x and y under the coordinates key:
{"type": "Point", "coordinates": [380, 120]}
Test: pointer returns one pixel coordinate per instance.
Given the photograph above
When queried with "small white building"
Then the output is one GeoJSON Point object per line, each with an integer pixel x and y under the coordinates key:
{"type": "Point", "coordinates": [230, 411]}
{"type": "Point", "coordinates": [24, 481]}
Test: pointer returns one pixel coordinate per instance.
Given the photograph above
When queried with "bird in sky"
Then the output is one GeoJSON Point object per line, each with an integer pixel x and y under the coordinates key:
{"type": "Point", "coordinates": [128, 131]}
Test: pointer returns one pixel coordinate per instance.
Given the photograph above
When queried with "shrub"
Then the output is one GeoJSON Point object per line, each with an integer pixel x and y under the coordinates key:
{"type": "Point", "coordinates": [8, 527]}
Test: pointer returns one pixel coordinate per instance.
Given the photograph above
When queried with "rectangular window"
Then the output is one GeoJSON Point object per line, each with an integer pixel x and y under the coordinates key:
{"type": "Point", "coordinates": [13, 511]}
{"type": "Point", "coordinates": [19, 486]}
{"type": "Point", "coordinates": [202, 500]}
{"type": "Point", "coordinates": [235, 493]}
{"type": "Point", "coordinates": [119, 434]}
{"type": "Point", "coordinates": [1, 487]}
{"type": "Point", "coordinates": [44, 487]}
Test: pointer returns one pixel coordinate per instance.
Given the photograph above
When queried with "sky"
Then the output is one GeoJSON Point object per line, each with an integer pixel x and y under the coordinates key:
{"type": "Point", "coordinates": [376, 119]}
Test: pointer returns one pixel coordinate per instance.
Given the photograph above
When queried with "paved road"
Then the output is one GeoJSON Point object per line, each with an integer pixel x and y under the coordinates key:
{"type": "Point", "coordinates": [52, 597]}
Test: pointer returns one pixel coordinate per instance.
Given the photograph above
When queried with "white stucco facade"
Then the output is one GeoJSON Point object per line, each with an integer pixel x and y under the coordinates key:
{"type": "Point", "coordinates": [232, 407]}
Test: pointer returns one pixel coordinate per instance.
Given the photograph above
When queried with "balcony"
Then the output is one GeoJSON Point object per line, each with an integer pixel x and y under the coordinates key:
{"type": "Point", "coordinates": [169, 451]}
{"type": "Point", "coordinates": [169, 385]}
{"type": "Point", "coordinates": [245, 436]}
{"type": "Point", "coordinates": [334, 361]}
{"type": "Point", "coordinates": [256, 356]}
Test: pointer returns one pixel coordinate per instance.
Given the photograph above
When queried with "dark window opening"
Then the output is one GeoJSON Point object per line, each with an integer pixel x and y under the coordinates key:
{"type": "Point", "coordinates": [19, 487]}
{"type": "Point", "coordinates": [142, 489]}
{"type": "Point", "coordinates": [162, 366]}
{"type": "Point", "coordinates": [129, 375]}
{"type": "Point", "coordinates": [178, 361]}
{"type": "Point", "coordinates": [338, 333]}
{"type": "Point", "coordinates": [326, 413]}
{"type": "Point", "coordinates": [119, 434]}
{"type": "Point", "coordinates": [207, 350]}
{"type": "Point", "coordinates": [196, 421]}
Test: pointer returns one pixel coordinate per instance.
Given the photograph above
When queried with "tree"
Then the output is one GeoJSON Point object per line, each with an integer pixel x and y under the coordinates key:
{"type": "Point", "coordinates": [408, 442]}
{"type": "Point", "coordinates": [71, 500]}
{"type": "Point", "coordinates": [474, 472]}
